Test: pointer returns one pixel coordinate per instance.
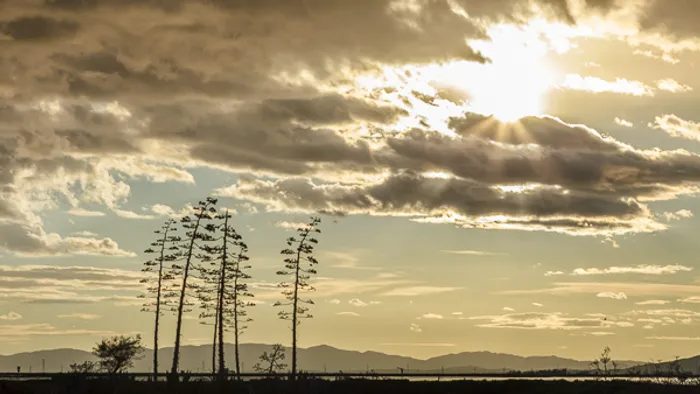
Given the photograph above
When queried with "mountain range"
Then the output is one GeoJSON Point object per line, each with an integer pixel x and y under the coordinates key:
{"type": "Point", "coordinates": [316, 358]}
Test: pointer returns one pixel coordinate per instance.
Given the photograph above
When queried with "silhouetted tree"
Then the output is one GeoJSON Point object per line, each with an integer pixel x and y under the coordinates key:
{"type": "Point", "coordinates": [299, 266]}
{"type": "Point", "coordinates": [196, 230]}
{"type": "Point", "coordinates": [118, 353]}
{"type": "Point", "coordinates": [605, 359]}
{"type": "Point", "coordinates": [227, 277]}
{"type": "Point", "coordinates": [165, 248]}
{"type": "Point", "coordinates": [84, 367]}
{"type": "Point", "coordinates": [233, 289]}
{"type": "Point", "coordinates": [271, 362]}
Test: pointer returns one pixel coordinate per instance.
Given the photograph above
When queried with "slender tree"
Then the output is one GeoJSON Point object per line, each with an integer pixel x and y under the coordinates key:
{"type": "Point", "coordinates": [207, 292]}
{"type": "Point", "coordinates": [228, 259]}
{"type": "Point", "coordinates": [157, 295]}
{"type": "Point", "coordinates": [233, 298]}
{"type": "Point", "coordinates": [196, 234]}
{"type": "Point", "coordinates": [299, 267]}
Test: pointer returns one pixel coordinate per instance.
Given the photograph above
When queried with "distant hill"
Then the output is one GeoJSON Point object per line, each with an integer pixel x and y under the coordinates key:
{"type": "Point", "coordinates": [317, 358]}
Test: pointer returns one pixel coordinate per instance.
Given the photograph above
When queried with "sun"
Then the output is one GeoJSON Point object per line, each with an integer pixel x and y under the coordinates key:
{"type": "Point", "coordinates": [513, 84]}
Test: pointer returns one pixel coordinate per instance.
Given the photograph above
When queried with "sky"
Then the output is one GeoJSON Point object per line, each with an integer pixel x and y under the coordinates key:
{"type": "Point", "coordinates": [507, 175]}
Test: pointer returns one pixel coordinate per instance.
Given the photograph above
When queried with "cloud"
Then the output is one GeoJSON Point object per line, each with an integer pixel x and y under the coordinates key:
{"type": "Point", "coordinates": [348, 314]}
{"type": "Point", "coordinates": [472, 196]}
{"type": "Point", "coordinates": [690, 300]}
{"type": "Point", "coordinates": [639, 269]}
{"type": "Point", "coordinates": [44, 329]}
{"type": "Point", "coordinates": [419, 291]}
{"type": "Point", "coordinates": [345, 260]}
{"type": "Point", "coordinates": [601, 333]}
{"type": "Point", "coordinates": [677, 127]}
{"type": "Point", "coordinates": [615, 296]}
{"type": "Point", "coordinates": [537, 304]}
{"type": "Point", "coordinates": [597, 85]}
{"type": "Point", "coordinates": [662, 338]}
{"type": "Point", "coordinates": [308, 122]}
{"type": "Point", "coordinates": [653, 302]}
{"type": "Point", "coordinates": [678, 313]}
{"type": "Point", "coordinates": [537, 321]}
{"type": "Point", "coordinates": [415, 328]}
{"type": "Point", "coordinates": [623, 122]}
{"type": "Point", "coordinates": [678, 215]}
{"type": "Point", "coordinates": [432, 316]}
{"type": "Point", "coordinates": [45, 284]}
{"type": "Point", "coordinates": [11, 316]}
{"type": "Point", "coordinates": [357, 302]}
{"type": "Point", "coordinates": [133, 215]}
{"type": "Point", "coordinates": [334, 301]}
{"type": "Point", "coordinates": [87, 234]}
{"type": "Point", "coordinates": [632, 289]}
{"type": "Point", "coordinates": [168, 211]}
{"type": "Point", "coordinates": [290, 225]}
{"type": "Point", "coordinates": [553, 273]}
{"type": "Point", "coordinates": [81, 316]}
{"type": "Point", "coordinates": [671, 85]}
{"type": "Point", "coordinates": [457, 313]}
{"type": "Point", "coordinates": [508, 309]}
{"type": "Point", "coordinates": [85, 212]}
{"type": "Point", "coordinates": [470, 252]}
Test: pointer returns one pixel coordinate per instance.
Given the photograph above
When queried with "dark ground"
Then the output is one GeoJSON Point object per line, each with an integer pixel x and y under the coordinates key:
{"type": "Point", "coordinates": [73, 386]}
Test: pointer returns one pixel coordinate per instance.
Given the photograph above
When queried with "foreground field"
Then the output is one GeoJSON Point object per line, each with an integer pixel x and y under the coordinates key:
{"type": "Point", "coordinates": [80, 386]}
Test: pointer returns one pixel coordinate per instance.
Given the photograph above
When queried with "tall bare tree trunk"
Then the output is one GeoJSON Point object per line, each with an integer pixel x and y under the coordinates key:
{"type": "Point", "coordinates": [180, 308]}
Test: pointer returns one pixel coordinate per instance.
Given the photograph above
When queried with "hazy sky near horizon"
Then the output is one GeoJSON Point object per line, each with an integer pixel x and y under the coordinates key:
{"type": "Point", "coordinates": [506, 175]}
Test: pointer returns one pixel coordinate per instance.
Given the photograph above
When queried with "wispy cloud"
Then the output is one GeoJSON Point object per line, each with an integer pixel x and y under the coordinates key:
{"type": "Point", "coordinates": [81, 316]}
{"type": "Point", "coordinates": [597, 85]}
{"type": "Point", "coordinates": [639, 269]}
{"type": "Point", "coordinates": [85, 212]}
{"type": "Point", "coordinates": [537, 321]}
{"type": "Point", "coordinates": [471, 252]}
{"type": "Point", "coordinates": [354, 314]}
{"type": "Point", "coordinates": [690, 300]}
{"type": "Point", "coordinates": [663, 338]}
{"type": "Point", "coordinates": [11, 316]}
{"type": "Point", "coordinates": [537, 304]}
{"type": "Point", "coordinates": [671, 85]}
{"type": "Point", "coordinates": [678, 215]}
{"type": "Point", "coordinates": [629, 288]}
{"type": "Point", "coordinates": [419, 291]}
{"type": "Point", "coordinates": [677, 127]}
{"type": "Point", "coordinates": [431, 316]}
{"type": "Point", "coordinates": [615, 296]}
{"type": "Point", "coordinates": [553, 273]}
{"type": "Point", "coordinates": [357, 302]}
{"type": "Point", "coordinates": [623, 122]}
{"type": "Point", "coordinates": [133, 215]}
{"type": "Point", "coordinates": [415, 327]}
{"type": "Point", "coordinates": [653, 302]}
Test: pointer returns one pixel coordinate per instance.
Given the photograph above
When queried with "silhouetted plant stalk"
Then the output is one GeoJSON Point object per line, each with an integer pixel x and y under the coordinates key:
{"type": "Point", "coordinates": [299, 266]}
{"type": "Point", "coordinates": [165, 248]}
{"type": "Point", "coordinates": [196, 231]}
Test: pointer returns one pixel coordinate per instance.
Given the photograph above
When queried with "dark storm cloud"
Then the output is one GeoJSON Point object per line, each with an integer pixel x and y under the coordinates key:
{"type": "Point", "coordinates": [416, 195]}
{"type": "Point", "coordinates": [678, 18]}
{"type": "Point", "coordinates": [548, 151]}
{"type": "Point", "coordinates": [38, 28]}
